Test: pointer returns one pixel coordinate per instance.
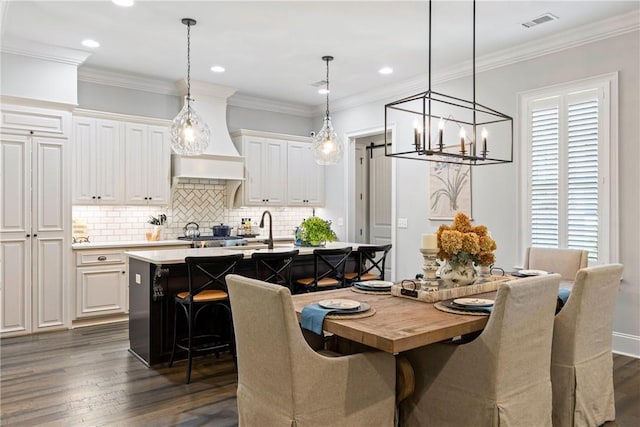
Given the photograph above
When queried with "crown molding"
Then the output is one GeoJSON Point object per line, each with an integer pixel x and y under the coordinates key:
{"type": "Point", "coordinates": [256, 103]}
{"type": "Point", "coordinates": [42, 51]}
{"type": "Point", "coordinates": [612, 27]}
{"type": "Point", "coordinates": [205, 89]}
{"type": "Point", "coordinates": [128, 81]}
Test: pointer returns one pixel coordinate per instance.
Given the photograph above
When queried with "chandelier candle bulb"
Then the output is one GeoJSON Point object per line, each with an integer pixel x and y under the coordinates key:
{"type": "Point", "coordinates": [463, 134]}
{"type": "Point", "coordinates": [429, 241]}
{"type": "Point", "coordinates": [484, 141]}
{"type": "Point", "coordinates": [416, 138]}
{"type": "Point", "coordinates": [440, 133]}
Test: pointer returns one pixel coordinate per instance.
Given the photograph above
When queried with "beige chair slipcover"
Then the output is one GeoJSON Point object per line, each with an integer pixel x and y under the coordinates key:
{"type": "Point", "coordinates": [581, 363]}
{"type": "Point", "coordinates": [502, 378]}
{"type": "Point", "coordinates": [283, 382]}
{"type": "Point", "coordinates": [565, 262]}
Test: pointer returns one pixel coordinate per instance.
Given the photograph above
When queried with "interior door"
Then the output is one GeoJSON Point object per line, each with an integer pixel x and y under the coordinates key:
{"type": "Point", "coordinates": [362, 195]}
{"type": "Point", "coordinates": [380, 197]}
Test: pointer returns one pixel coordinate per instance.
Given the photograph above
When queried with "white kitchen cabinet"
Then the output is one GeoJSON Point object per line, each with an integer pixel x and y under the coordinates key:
{"type": "Point", "coordinates": [101, 283]}
{"type": "Point", "coordinates": [97, 161]}
{"type": "Point", "coordinates": [147, 164]}
{"type": "Point", "coordinates": [34, 219]}
{"type": "Point", "coordinates": [265, 170]}
{"type": "Point", "coordinates": [305, 183]}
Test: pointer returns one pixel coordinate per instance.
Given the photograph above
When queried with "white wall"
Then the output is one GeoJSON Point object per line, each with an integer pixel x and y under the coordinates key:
{"type": "Point", "coordinates": [38, 79]}
{"type": "Point", "coordinates": [93, 96]}
{"type": "Point", "coordinates": [494, 188]}
{"type": "Point", "coordinates": [268, 121]}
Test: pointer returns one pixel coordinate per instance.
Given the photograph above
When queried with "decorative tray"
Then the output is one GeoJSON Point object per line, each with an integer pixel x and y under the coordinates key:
{"type": "Point", "coordinates": [415, 292]}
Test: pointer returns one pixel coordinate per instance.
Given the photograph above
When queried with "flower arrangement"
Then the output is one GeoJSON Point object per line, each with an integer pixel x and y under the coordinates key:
{"type": "Point", "coordinates": [461, 242]}
{"type": "Point", "coordinates": [315, 231]}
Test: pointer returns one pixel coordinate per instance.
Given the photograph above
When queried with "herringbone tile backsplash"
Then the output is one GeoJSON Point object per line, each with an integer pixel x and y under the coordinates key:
{"type": "Point", "coordinates": [193, 200]}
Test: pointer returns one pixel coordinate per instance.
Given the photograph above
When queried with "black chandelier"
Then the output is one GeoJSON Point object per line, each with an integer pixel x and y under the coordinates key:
{"type": "Point", "coordinates": [453, 125]}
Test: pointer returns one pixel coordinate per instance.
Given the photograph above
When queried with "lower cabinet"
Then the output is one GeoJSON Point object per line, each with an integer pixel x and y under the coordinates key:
{"type": "Point", "coordinates": [101, 290]}
{"type": "Point", "coordinates": [101, 283]}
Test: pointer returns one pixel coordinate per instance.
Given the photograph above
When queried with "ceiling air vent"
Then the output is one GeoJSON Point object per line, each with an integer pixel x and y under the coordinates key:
{"type": "Point", "coordinates": [319, 83]}
{"type": "Point", "coordinates": [540, 20]}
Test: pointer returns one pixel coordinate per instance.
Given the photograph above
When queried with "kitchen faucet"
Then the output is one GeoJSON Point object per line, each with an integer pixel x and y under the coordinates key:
{"type": "Point", "coordinates": [269, 241]}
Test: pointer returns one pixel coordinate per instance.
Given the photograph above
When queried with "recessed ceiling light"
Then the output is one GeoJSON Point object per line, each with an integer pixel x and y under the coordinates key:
{"type": "Point", "coordinates": [90, 43]}
{"type": "Point", "coordinates": [123, 3]}
{"type": "Point", "coordinates": [217, 69]}
{"type": "Point", "coordinates": [323, 91]}
{"type": "Point", "coordinates": [386, 70]}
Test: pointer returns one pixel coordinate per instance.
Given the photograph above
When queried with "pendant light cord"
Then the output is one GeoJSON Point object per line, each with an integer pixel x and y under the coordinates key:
{"type": "Point", "coordinates": [189, 67]}
{"type": "Point", "coordinates": [327, 112]}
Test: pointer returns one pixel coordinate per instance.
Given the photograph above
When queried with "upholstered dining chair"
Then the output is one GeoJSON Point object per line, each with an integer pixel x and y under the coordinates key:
{"type": "Point", "coordinates": [283, 382]}
{"type": "Point", "coordinates": [502, 378]}
{"type": "Point", "coordinates": [565, 262]}
{"type": "Point", "coordinates": [581, 358]}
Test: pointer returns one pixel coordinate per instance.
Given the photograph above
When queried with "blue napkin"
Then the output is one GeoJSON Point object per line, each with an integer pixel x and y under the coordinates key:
{"type": "Point", "coordinates": [563, 295]}
{"type": "Point", "coordinates": [312, 317]}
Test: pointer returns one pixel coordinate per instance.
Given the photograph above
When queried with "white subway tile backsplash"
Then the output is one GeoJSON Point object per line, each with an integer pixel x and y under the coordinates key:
{"type": "Point", "coordinates": [193, 200]}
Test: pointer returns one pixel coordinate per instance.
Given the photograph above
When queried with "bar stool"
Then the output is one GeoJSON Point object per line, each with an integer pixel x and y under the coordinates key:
{"type": "Point", "coordinates": [328, 269]}
{"type": "Point", "coordinates": [207, 291]}
{"type": "Point", "coordinates": [275, 267]}
{"type": "Point", "coordinates": [370, 263]}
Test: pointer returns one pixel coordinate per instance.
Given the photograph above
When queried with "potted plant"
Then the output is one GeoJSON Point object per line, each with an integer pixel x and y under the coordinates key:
{"type": "Point", "coordinates": [314, 231]}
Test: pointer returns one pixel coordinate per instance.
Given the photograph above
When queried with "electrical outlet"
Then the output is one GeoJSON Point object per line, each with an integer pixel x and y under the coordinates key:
{"type": "Point", "coordinates": [340, 222]}
{"type": "Point", "coordinates": [403, 223]}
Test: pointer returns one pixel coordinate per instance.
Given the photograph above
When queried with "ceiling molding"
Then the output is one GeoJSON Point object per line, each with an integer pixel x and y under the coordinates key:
{"type": "Point", "coordinates": [45, 52]}
{"type": "Point", "coordinates": [128, 81]}
{"type": "Point", "coordinates": [255, 103]}
{"type": "Point", "coordinates": [586, 34]}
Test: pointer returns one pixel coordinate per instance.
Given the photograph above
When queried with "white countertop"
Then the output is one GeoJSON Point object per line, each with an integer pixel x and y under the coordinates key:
{"type": "Point", "coordinates": [128, 244]}
{"type": "Point", "coordinates": [177, 256]}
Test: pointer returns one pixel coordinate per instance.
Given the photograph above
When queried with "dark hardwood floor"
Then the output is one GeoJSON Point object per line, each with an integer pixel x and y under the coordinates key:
{"type": "Point", "coordinates": [86, 377]}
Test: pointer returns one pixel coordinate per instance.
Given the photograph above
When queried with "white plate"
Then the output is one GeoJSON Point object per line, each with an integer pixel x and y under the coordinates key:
{"type": "Point", "coordinates": [376, 284]}
{"type": "Point", "coordinates": [474, 302]}
{"type": "Point", "coordinates": [342, 304]}
{"type": "Point", "coordinates": [533, 272]}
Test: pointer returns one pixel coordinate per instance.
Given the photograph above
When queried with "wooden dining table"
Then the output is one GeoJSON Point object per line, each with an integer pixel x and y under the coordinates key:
{"type": "Point", "coordinates": [399, 324]}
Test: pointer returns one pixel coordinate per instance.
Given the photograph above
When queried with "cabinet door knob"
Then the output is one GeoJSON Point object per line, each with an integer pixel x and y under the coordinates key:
{"type": "Point", "coordinates": [93, 197]}
{"type": "Point", "coordinates": [124, 272]}
{"type": "Point", "coordinates": [28, 235]}
{"type": "Point", "coordinates": [99, 197]}
{"type": "Point", "coordinates": [102, 258]}
{"type": "Point", "coordinates": [150, 198]}
{"type": "Point", "coordinates": [146, 198]}
{"type": "Point", "coordinates": [35, 235]}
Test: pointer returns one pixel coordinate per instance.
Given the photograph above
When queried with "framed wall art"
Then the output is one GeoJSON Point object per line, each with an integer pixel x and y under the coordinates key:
{"type": "Point", "coordinates": [450, 188]}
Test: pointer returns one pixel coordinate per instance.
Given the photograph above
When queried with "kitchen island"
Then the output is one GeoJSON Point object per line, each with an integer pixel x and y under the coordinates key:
{"type": "Point", "coordinates": [156, 276]}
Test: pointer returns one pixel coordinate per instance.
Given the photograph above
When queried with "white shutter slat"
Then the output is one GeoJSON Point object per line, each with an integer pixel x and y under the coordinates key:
{"type": "Point", "coordinates": [582, 177]}
{"type": "Point", "coordinates": [544, 177]}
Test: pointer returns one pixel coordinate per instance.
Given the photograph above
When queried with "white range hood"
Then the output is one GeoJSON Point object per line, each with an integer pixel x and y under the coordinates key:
{"type": "Point", "coordinates": [221, 160]}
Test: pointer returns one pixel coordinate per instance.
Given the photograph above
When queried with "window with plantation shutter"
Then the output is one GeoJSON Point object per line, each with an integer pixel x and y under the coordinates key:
{"type": "Point", "coordinates": [567, 182]}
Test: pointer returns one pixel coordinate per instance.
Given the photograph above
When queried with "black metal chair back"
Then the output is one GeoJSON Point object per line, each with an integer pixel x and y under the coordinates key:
{"type": "Point", "coordinates": [206, 273]}
{"type": "Point", "coordinates": [330, 264]}
{"type": "Point", "coordinates": [275, 267]}
{"type": "Point", "coordinates": [370, 262]}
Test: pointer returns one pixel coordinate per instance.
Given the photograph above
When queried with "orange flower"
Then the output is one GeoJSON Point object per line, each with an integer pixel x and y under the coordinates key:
{"type": "Point", "coordinates": [461, 242]}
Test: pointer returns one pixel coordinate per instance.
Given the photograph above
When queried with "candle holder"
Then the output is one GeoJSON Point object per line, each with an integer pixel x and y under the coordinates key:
{"type": "Point", "coordinates": [429, 282]}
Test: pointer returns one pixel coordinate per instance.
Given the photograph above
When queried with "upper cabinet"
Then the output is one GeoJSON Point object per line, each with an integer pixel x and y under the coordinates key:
{"type": "Point", "coordinates": [120, 159]}
{"type": "Point", "coordinates": [265, 170]}
{"type": "Point", "coordinates": [305, 183]}
{"type": "Point", "coordinates": [147, 164]}
{"type": "Point", "coordinates": [97, 161]}
{"type": "Point", "coordinates": [279, 170]}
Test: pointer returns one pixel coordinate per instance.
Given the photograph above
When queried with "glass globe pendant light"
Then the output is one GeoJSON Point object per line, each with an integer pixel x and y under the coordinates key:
{"type": "Point", "coordinates": [327, 147]}
{"type": "Point", "coordinates": [189, 133]}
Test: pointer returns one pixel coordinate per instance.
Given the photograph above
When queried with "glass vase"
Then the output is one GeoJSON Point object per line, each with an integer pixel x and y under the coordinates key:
{"type": "Point", "coordinates": [455, 274]}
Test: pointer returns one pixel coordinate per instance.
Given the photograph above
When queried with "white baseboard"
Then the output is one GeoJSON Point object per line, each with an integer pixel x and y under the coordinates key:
{"type": "Point", "coordinates": [625, 344]}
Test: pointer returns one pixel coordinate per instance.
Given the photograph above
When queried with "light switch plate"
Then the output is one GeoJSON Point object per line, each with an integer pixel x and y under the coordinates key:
{"type": "Point", "coordinates": [402, 223]}
{"type": "Point", "coordinates": [138, 279]}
